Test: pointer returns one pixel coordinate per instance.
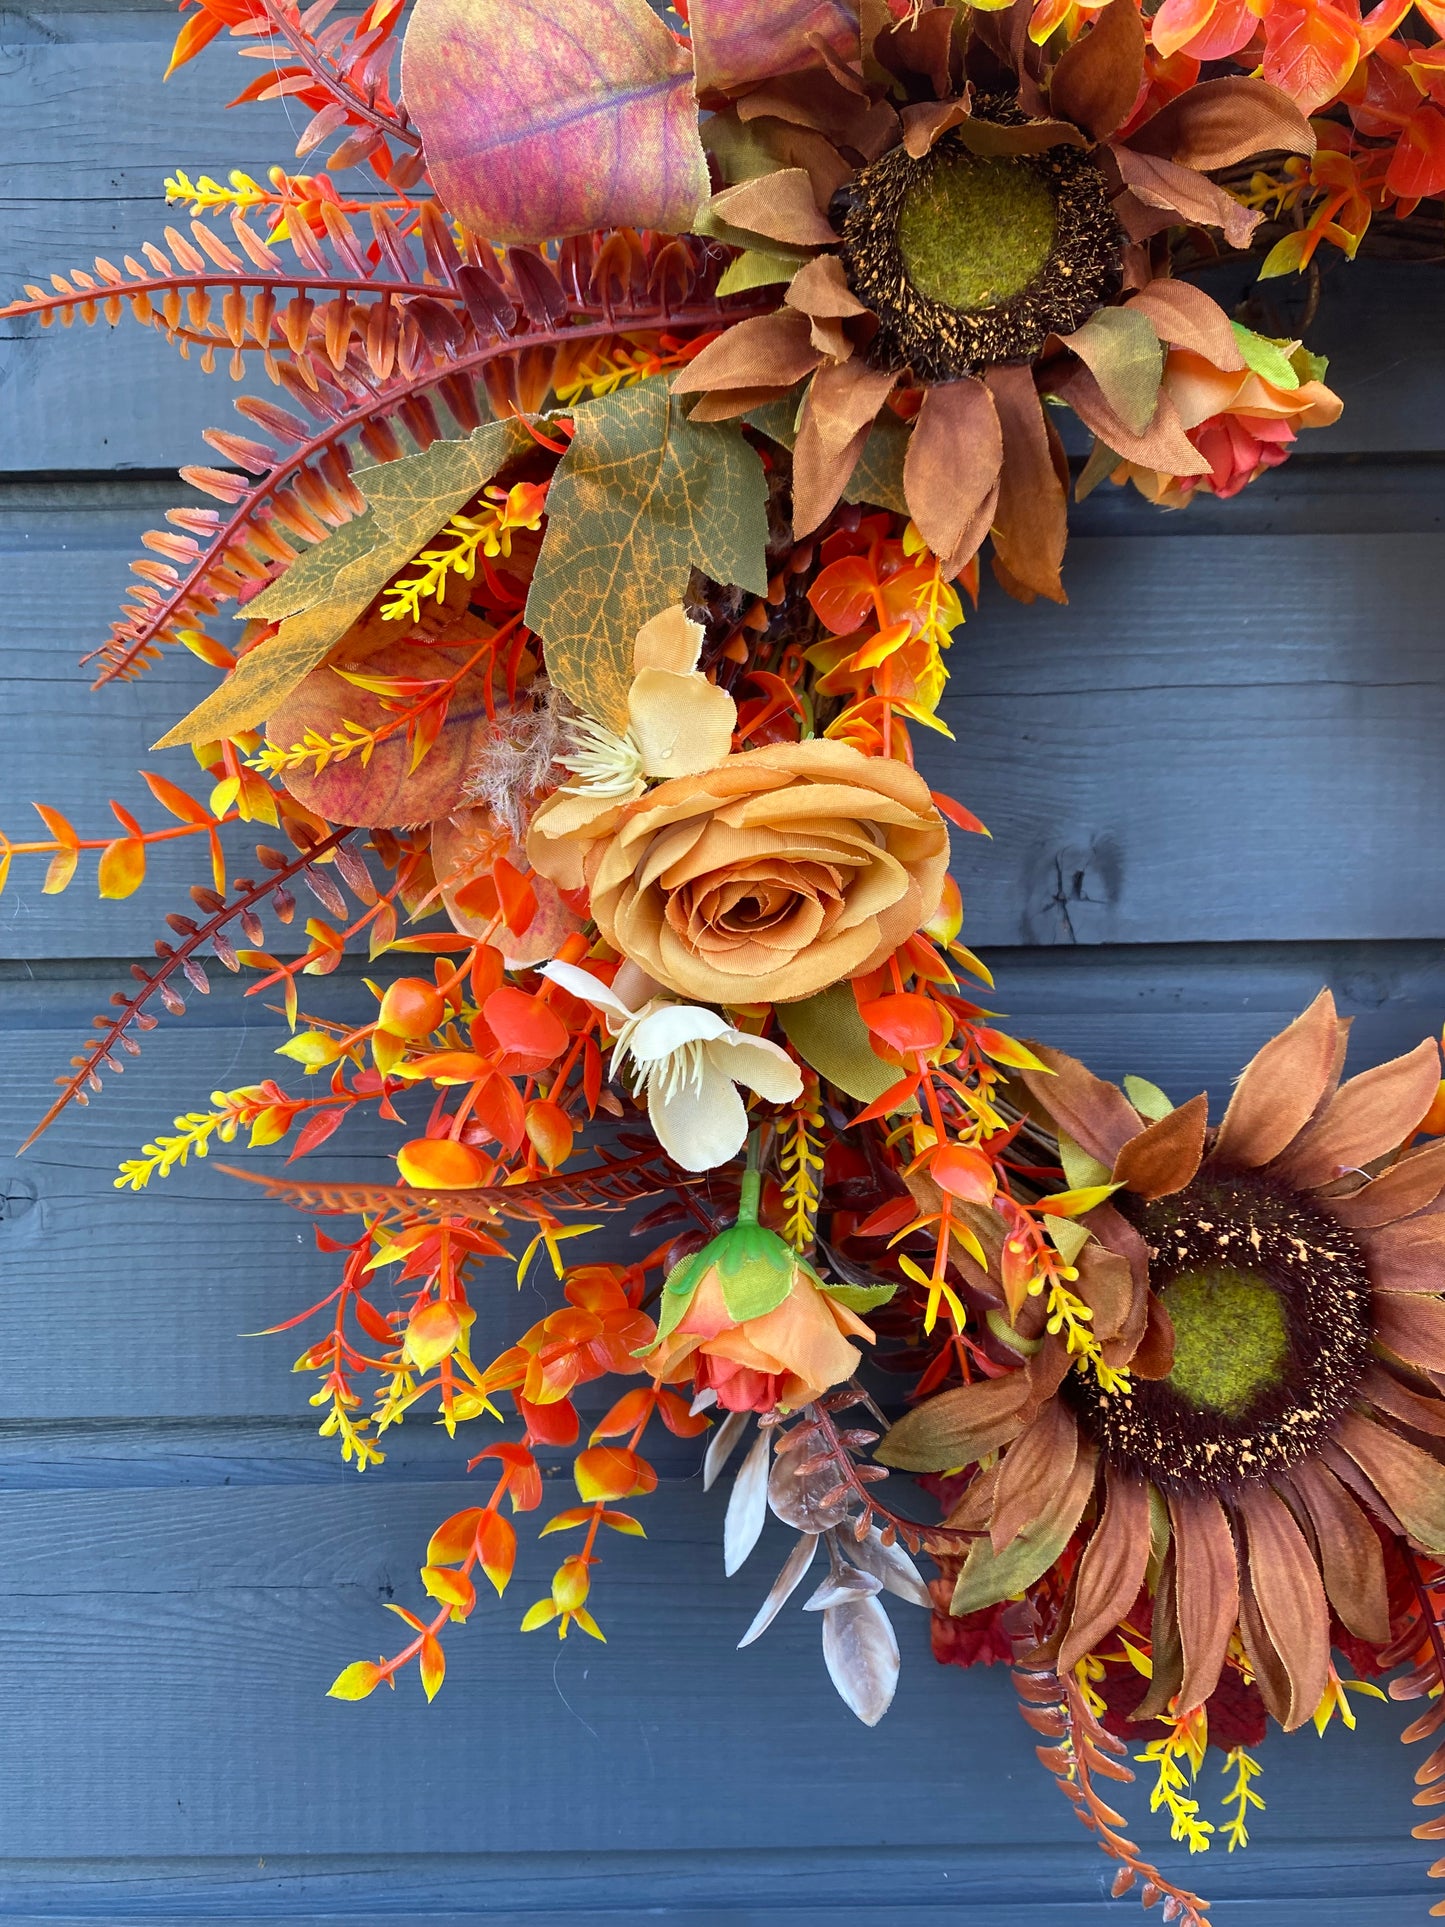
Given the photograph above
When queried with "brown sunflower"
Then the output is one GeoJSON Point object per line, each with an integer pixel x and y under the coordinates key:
{"type": "Point", "coordinates": [952, 217]}
{"type": "Point", "coordinates": [1271, 1291]}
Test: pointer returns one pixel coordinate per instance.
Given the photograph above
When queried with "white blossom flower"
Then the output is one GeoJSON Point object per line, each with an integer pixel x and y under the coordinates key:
{"type": "Point", "coordinates": [687, 1062]}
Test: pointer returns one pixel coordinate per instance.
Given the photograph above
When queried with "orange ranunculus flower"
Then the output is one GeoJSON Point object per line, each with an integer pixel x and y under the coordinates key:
{"type": "Point", "coordinates": [1240, 422]}
{"type": "Point", "coordinates": [765, 879]}
{"type": "Point", "coordinates": [786, 1357]}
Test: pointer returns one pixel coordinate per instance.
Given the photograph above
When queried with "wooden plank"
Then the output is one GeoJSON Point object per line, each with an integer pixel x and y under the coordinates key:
{"type": "Point", "coordinates": [223, 1613]}
{"type": "Point", "coordinates": [1265, 766]}
{"type": "Point", "coordinates": [152, 1291]}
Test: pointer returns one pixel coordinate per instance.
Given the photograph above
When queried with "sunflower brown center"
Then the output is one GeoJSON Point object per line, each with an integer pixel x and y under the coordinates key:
{"type": "Point", "coordinates": [1270, 1304]}
{"type": "Point", "coordinates": [967, 258]}
{"type": "Point", "coordinates": [975, 231]}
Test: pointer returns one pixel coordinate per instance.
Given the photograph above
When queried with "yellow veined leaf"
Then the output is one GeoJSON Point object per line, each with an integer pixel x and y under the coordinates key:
{"type": "Point", "coordinates": [356, 1681]}
{"type": "Point", "coordinates": [323, 593]}
{"type": "Point", "coordinates": [1073, 1204]}
{"type": "Point", "coordinates": [641, 496]}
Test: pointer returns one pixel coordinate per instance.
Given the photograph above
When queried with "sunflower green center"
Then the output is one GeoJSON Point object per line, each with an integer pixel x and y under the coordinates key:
{"type": "Point", "coordinates": [1269, 1302]}
{"type": "Point", "coordinates": [1231, 1337]}
{"type": "Point", "coordinates": [973, 231]}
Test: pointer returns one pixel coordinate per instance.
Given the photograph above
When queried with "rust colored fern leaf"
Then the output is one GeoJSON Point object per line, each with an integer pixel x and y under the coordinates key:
{"type": "Point", "coordinates": [606, 1186]}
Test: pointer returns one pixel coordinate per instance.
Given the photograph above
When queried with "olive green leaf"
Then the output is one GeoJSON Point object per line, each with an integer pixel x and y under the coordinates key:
{"type": "Point", "coordinates": [324, 591]}
{"type": "Point", "coordinates": [1148, 1100]}
{"type": "Point", "coordinates": [642, 496]}
{"type": "Point", "coordinates": [860, 1298]}
{"type": "Point", "coordinates": [1123, 353]}
{"type": "Point", "coordinates": [990, 1576]}
{"type": "Point", "coordinates": [830, 1036]}
{"type": "Point", "coordinates": [877, 481]}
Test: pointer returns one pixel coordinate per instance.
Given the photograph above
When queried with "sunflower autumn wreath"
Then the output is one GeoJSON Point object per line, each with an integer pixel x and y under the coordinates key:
{"type": "Point", "coordinates": [646, 410]}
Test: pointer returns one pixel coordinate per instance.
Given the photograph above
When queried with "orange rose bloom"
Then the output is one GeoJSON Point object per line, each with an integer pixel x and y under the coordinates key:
{"type": "Point", "coordinates": [787, 1357]}
{"type": "Point", "coordinates": [1240, 422]}
{"type": "Point", "coordinates": [781, 871]}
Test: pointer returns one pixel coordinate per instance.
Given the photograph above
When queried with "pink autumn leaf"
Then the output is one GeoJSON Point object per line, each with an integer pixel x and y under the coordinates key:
{"type": "Point", "coordinates": [739, 41]}
{"type": "Point", "coordinates": [543, 118]}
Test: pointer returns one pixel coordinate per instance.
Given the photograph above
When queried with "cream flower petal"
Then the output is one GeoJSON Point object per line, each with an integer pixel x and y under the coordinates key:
{"type": "Point", "coordinates": [700, 1123]}
{"type": "Point", "coordinates": [589, 988]}
{"type": "Point", "coordinates": [669, 641]}
{"type": "Point", "coordinates": [765, 1067]}
{"type": "Point", "coordinates": [682, 725]}
{"type": "Point", "coordinates": [670, 1028]}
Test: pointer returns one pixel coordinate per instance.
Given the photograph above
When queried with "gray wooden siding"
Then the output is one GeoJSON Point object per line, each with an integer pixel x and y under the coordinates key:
{"type": "Point", "coordinates": [1215, 781]}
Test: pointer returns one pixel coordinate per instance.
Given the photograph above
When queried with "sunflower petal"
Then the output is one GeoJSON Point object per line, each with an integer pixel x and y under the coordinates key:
{"type": "Point", "coordinates": [1095, 1114]}
{"type": "Point", "coordinates": [1350, 1555]}
{"type": "Point", "coordinates": [779, 206]}
{"type": "Point", "coordinates": [1097, 80]}
{"type": "Point", "coordinates": [1417, 1410]}
{"type": "Point", "coordinates": [1112, 1568]}
{"type": "Point", "coordinates": [1035, 1466]}
{"type": "Point", "coordinates": [1163, 1158]}
{"type": "Point", "coordinates": [1270, 1673]}
{"type": "Point", "coordinates": [1411, 1483]}
{"type": "Point", "coordinates": [988, 1577]}
{"type": "Point", "coordinates": [1408, 1256]}
{"type": "Point", "coordinates": [1218, 122]}
{"type": "Point", "coordinates": [1167, 1648]}
{"type": "Point", "coordinates": [951, 471]}
{"type": "Point", "coordinates": [1029, 528]}
{"type": "Point", "coordinates": [766, 351]}
{"type": "Point", "coordinates": [1278, 1089]}
{"type": "Point", "coordinates": [1186, 317]}
{"type": "Point", "coordinates": [1408, 1186]}
{"type": "Point", "coordinates": [1372, 1114]}
{"type": "Point", "coordinates": [1412, 1326]}
{"type": "Point", "coordinates": [1286, 1585]}
{"type": "Point", "coordinates": [1206, 1592]}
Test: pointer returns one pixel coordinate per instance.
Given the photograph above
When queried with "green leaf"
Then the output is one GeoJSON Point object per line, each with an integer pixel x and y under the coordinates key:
{"type": "Point", "coordinates": [828, 1034]}
{"type": "Point", "coordinates": [878, 478]}
{"type": "Point", "coordinates": [326, 590]}
{"type": "Point", "coordinates": [758, 268]}
{"type": "Point", "coordinates": [860, 1298]}
{"type": "Point", "coordinates": [1268, 359]}
{"type": "Point", "coordinates": [1126, 357]}
{"type": "Point", "coordinates": [1148, 1100]}
{"type": "Point", "coordinates": [1098, 468]}
{"type": "Point", "coordinates": [990, 1576]}
{"type": "Point", "coordinates": [642, 497]}
{"type": "Point", "coordinates": [1069, 1238]}
{"type": "Point", "coordinates": [1080, 1170]}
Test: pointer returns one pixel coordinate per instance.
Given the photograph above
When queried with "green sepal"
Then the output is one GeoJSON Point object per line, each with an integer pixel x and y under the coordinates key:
{"type": "Point", "coordinates": [1309, 367]}
{"type": "Point", "coordinates": [860, 1298]}
{"type": "Point", "coordinates": [1268, 359]}
{"type": "Point", "coordinates": [1068, 1235]}
{"type": "Point", "coordinates": [755, 1269]}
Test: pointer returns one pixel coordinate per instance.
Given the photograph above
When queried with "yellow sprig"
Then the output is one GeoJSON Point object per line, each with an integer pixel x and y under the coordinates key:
{"type": "Point", "coordinates": [1241, 1796]}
